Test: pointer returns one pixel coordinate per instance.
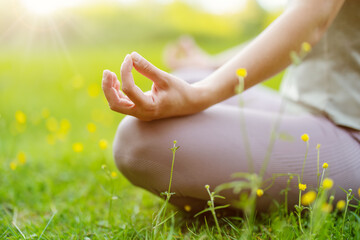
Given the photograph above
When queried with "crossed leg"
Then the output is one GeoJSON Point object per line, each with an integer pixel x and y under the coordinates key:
{"type": "Point", "coordinates": [213, 147]}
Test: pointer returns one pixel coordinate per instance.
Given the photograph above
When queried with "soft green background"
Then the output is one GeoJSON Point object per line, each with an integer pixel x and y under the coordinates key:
{"type": "Point", "coordinates": [50, 69]}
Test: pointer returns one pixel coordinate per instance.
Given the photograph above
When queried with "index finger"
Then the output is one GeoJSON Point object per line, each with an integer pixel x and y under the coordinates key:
{"type": "Point", "coordinates": [128, 86]}
{"type": "Point", "coordinates": [147, 69]}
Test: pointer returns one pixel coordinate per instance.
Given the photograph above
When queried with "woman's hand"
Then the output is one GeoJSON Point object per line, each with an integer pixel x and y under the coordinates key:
{"type": "Point", "coordinates": [169, 96]}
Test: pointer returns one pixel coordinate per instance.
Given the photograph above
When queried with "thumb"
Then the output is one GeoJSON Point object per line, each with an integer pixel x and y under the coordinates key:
{"type": "Point", "coordinates": [144, 67]}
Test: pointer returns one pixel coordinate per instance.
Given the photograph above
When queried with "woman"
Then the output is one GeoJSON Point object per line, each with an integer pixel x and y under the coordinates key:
{"type": "Point", "coordinates": [320, 97]}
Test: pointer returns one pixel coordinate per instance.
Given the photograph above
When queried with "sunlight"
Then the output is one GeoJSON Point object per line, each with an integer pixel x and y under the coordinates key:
{"type": "Point", "coordinates": [46, 7]}
{"type": "Point", "coordinates": [220, 7]}
{"type": "Point", "coordinates": [273, 5]}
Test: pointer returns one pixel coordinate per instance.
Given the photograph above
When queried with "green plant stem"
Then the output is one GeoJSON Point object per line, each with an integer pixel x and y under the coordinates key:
{"type": "Point", "coordinates": [318, 168]}
{"type": "Point", "coordinates": [299, 212]}
{"type": "Point", "coordinates": [111, 201]}
{"type": "Point", "coordinates": [273, 138]}
{"type": "Point", "coordinates": [303, 167]}
{"type": "Point", "coordinates": [321, 180]}
{"type": "Point", "coordinates": [212, 207]}
{"type": "Point", "coordinates": [172, 167]}
{"type": "Point", "coordinates": [162, 211]}
{"type": "Point", "coordinates": [216, 222]}
{"type": "Point", "coordinates": [346, 208]}
{"type": "Point", "coordinates": [251, 213]}
{"type": "Point", "coordinates": [168, 196]}
{"type": "Point", "coordinates": [286, 194]}
{"type": "Point", "coordinates": [245, 135]}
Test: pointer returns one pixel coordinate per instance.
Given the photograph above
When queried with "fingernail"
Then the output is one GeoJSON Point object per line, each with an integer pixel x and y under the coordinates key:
{"type": "Point", "coordinates": [105, 73]}
{"type": "Point", "coordinates": [126, 57]}
{"type": "Point", "coordinates": [135, 56]}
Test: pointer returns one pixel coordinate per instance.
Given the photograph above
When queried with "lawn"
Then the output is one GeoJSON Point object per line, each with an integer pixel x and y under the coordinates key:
{"type": "Point", "coordinates": [57, 175]}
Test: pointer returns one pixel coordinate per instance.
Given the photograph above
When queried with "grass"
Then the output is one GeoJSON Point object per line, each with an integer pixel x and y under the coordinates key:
{"type": "Point", "coordinates": [50, 191]}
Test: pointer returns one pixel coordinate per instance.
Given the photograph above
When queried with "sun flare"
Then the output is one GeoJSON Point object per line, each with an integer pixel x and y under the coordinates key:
{"type": "Point", "coordinates": [47, 7]}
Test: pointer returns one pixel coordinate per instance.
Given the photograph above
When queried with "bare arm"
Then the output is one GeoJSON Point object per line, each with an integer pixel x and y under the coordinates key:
{"type": "Point", "coordinates": [268, 54]}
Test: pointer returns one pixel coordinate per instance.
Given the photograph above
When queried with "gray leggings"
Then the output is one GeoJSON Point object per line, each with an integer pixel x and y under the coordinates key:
{"type": "Point", "coordinates": [212, 148]}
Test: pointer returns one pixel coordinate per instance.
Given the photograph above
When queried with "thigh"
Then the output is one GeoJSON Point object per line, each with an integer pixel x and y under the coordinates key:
{"type": "Point", "coordinates": [257, 98]}
{"type": "Point", "coordinates": [217, 142]}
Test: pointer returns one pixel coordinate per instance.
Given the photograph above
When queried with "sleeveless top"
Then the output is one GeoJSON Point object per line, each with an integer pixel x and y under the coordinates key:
{"type": "Point", "coordinates": [328, 79]}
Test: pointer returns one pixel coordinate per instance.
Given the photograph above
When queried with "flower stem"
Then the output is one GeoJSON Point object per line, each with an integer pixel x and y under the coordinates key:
{"type": "Point", "coordinates": [172, 165]}
{"type": "Point", "coordinates": [212, 207]}
{"type": "Point", "coordinates": [318, 168]}
{"type": "Point", "coordinates": [299, 212]}
{"type": "Point", "coordinates": [303, 167]}
{"type": "Point", "coordinates": [286, 195]}
{"type": "Point", "coordinates": [346, 208]}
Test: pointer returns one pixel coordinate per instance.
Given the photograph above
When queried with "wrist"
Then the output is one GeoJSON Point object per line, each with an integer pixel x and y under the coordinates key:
{"type": "Point", "coordinates": [204, 95]}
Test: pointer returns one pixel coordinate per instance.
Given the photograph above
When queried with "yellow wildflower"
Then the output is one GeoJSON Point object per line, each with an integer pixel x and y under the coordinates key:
{"type": "Point", "coordinates": [77, 81]}
{"type": "Point", "coordinates": [13, 165]}
{"type": "Point", "coordinates": [318, 146]}
{"type": "Point", "coordinates": [78, 147]}
{"type": "Point", "coordinates": [308, 198]}
{"type": "Point", "coordinates": [65, 126]}
{"type": "Point", "coordinates": [113, 174]}
{"type": "Point", "coordinates": [91, 127]}
{"type": "Point", "coordinates": [340, 205]}
{"type": "Point", "coordinates": [359, 192]}
{"type": "Point", "coordinates": [93, 90]}
{"type": "Point", "coordinates": [259, 192]}
{"type": "Point", "coordinates": [326, 207]}
{"type": "Point", "coordinates": [21, 157]}
{"type": "Point", "coordinates": [328, 183]}
{"type": "Point", "coordinates": [52, 124]}
{"type": "Point", "coordinates": [325, 165]}
{"type": "Point", "coordinates": [302, 187]}
{"type": "Point", "coordinates": [305, 137]}
{"type": "Point", "coordinates": [103, 144]}
{"type": "Point", "coordinates": [241, 72]}
{"type": "Point", "coordinates": [306, 47]}
{"type": "Point", "coordinates": [20, 117]}
{"type": "Point", "coordinates": [187, 208]}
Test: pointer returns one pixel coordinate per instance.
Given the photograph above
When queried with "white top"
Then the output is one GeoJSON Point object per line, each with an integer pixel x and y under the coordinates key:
{"type": "Point", "coordinates": [328, 79]}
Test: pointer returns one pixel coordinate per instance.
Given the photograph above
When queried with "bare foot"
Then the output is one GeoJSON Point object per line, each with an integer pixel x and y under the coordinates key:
{"type": "Point", "coordinates": [186, 53]}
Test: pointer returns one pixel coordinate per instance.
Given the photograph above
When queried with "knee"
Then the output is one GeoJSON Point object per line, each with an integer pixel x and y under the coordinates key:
{"type": "Point", "coordinates": [133, 151]}
{"type": "Point", "coordinates": [141, 152]}
{"type": "Point", "coordinates": [127, 145]}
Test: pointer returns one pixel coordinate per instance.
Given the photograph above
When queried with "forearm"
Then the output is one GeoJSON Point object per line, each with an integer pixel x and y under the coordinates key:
{"type": "Point", "coordinates": [268, 54]}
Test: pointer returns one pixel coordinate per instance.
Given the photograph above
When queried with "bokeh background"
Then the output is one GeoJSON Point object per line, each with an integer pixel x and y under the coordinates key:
{"type": "Point", "coordinates": [56, 128]}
